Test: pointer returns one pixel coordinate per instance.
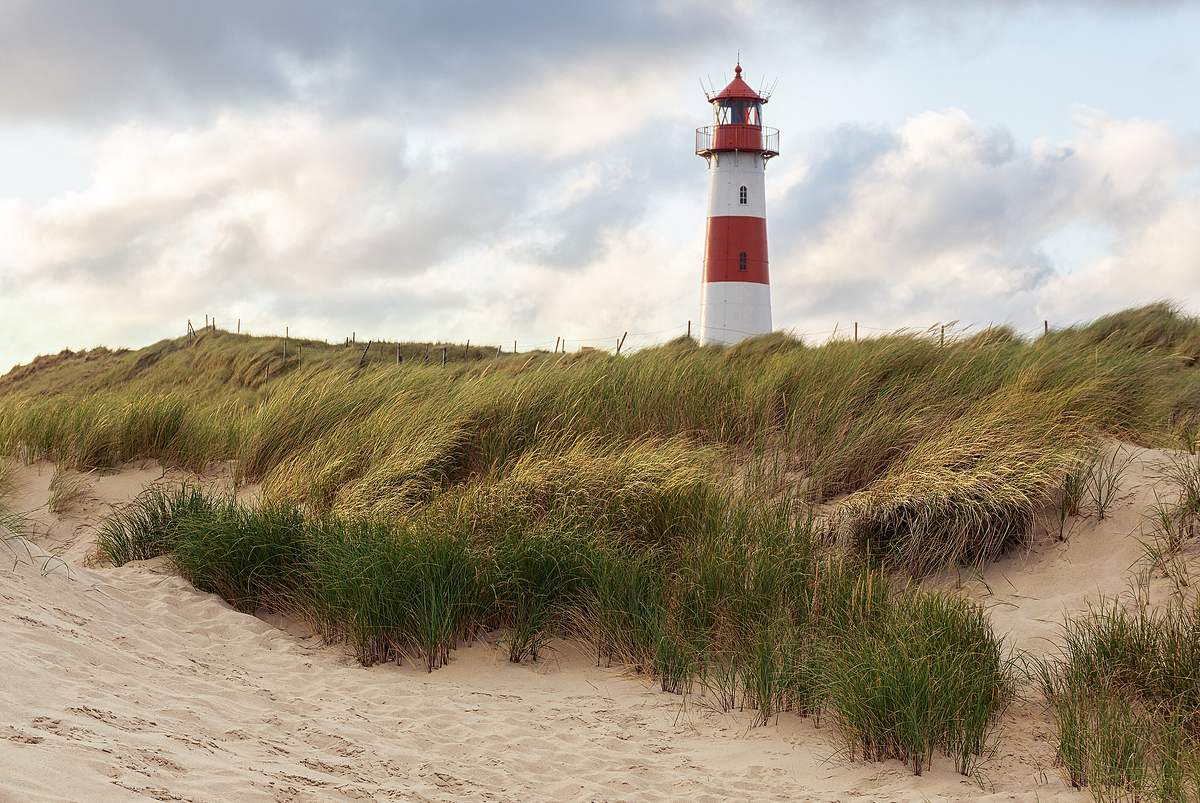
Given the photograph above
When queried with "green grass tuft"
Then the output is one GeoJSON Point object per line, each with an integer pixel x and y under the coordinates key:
{"type": "Point", "coordinates": [147, 526]}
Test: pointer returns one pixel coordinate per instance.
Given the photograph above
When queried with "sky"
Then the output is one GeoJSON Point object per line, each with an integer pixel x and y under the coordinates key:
{"type": "Point", "coordinates": [525, 171]}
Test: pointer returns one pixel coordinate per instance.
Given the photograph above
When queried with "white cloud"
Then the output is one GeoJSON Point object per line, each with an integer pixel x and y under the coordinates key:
{"type": "Point", "coordinates": [327, 226]}
{"type": "Point", "coordinates": [945, 219]}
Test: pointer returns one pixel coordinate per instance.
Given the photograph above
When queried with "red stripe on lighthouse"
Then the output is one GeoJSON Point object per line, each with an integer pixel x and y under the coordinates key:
{"type": "Point", "coordinates": [727, 239]}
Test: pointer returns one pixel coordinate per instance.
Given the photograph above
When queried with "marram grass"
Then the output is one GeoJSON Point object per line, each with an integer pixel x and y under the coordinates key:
{"type": "Point", "coordinates": [1125, 695]}
{"type": "Point", "coordinates": [736, 600]}
{"type": "Point", "coordinates": [971, 492]}
{"type": "Point", "coordinates": [843, 414]}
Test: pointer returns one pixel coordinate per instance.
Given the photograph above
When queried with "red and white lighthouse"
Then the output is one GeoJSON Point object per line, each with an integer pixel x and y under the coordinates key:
{"type": "Point", "coordinates": [735, 302]}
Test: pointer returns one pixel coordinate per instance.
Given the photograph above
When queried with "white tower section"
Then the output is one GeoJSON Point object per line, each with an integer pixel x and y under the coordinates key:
{"type": "Point", "coordinates": [735, 304]}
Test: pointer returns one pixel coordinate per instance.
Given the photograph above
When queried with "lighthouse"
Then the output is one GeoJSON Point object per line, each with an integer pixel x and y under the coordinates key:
{"type": "Point", "coordinates": [735, 299]}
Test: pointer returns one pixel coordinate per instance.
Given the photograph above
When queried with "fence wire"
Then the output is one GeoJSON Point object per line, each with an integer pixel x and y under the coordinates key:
{"type": "Point", "coordinates": [627, 341]}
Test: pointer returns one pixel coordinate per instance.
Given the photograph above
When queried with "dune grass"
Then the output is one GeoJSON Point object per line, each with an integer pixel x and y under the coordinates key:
{"type": "Point", "coordinates": [1125, 689]}
{"type": "Point", "coordinates": [145, 527]}
{"type": "Point", "coordinates": [893, 417]}
{"type": "Point", "coordinates": [1125, 695]}
{"type": "Point", "coordinates": [67, 492]}
{"type": "Point", "coordinates": [7, 482]}
{"type": "Point", "coordinates": [1173, 523]}
{"type": "Point", "coordinates": [7, 477]}
{"type": "Point", "coordinates": [726, 598]}
{"type": "Point", "coordinates": [928, 674]}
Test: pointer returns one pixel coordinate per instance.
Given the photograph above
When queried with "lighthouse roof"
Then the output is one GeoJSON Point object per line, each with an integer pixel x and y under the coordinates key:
{"type": "Point", "coordinates": [738, 88]}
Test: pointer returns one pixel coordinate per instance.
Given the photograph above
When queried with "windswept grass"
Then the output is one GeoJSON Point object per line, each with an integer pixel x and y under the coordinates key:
{"type": "Point", "coordinates": [845, 416]}
{"type": "Point", "coordinates": [68, 491]}
{"type": "Point", "coordinates": [103, 432]}
{"type": "Point", "coordinates": [969, 494]}
{"type": "Point", "coordinates": [7, 478]}
{"type": "Point", "coordinates": [1159, 327]}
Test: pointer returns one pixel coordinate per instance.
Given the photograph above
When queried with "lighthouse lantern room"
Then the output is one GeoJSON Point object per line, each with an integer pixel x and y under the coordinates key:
{"type": "Point", "coordinates": [735, 301]}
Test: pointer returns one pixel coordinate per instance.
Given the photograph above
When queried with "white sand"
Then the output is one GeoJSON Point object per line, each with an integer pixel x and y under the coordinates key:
{"type": "Point", "coordinates": [1030, 593]}
{"type": "Point", "coordinates": [127, 683]}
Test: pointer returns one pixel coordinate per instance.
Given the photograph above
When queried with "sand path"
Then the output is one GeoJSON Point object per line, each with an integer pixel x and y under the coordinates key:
{"type": "Point", "coordinates": [128, 684]}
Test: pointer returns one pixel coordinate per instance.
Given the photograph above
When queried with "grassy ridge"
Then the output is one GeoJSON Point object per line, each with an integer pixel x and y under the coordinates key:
{"type": "Point", "coordinates": [841, 408]}
{"type": "Point", "coordinates": [216, 361]}
{"type": "Point", "coordinates": [944, 451]}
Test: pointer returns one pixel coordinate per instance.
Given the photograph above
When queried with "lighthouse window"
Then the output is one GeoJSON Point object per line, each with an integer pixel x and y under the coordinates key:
{"type": "Point", "coordinates": [739, 112]}
{"type": "Point", "coordinates": [742, 195]}
{"type": "Point", "coordinates": [742, 261]}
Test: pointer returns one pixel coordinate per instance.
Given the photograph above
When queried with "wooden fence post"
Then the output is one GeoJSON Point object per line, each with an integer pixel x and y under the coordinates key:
{"type": "Point", "coordinates": [621, 343]}
{"type": "Point", "coordinates": [943, 341]}
{"type": "Point", "coordinates": [443, 356]}
{"type": "Point", "coordinates": [399, 359]}
{"type": "Point", "coordinates": [239, 326]}
{"type": "Point", "coordinates": [467, 350]}
{"type": "Point", "coordinates": [1045, 327]}
{"type": "Point", "coordinates": [856, 331]}
{"type": "Point", "coordinates": [300, 357]}
{"type": "Point", "coordinates": [556, 345]}
{"type": "Point", "coordinates": [514, 347]}
{"type": "Point", "coordinates": [689, 330]}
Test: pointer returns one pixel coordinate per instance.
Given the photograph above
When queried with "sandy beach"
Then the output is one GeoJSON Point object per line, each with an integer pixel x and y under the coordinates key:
{"type": "Point", "coordinates": [128, 683]}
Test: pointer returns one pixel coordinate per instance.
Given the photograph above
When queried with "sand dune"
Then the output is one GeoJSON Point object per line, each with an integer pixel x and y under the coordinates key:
{"type": "Point", "coordinates": [1029, 593]}
{"type": "Point", "coordinates": [128, 683]}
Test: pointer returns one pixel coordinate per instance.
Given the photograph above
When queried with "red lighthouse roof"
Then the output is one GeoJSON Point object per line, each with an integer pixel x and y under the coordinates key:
{"type": "Point", "coordinates": [738, 89]}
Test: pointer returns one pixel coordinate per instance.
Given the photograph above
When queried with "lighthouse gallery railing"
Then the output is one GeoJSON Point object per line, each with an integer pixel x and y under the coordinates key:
{"type": "Point", "coordinates": [737, 138]}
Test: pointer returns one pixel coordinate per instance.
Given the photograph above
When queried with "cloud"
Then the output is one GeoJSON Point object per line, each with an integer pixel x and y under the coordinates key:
{"type": "Point", "coordinates": [334, 224]}
{"type": "Point", "coordinates": [947, 219]}
{"type": "Point", "coordinates": [873, 28]}
{"type": "Point", "coordinates": [79, 60]}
